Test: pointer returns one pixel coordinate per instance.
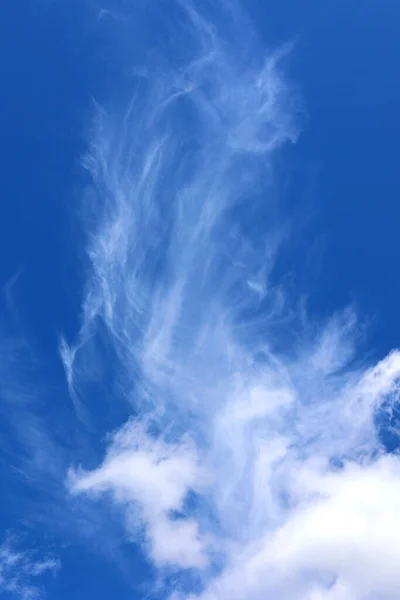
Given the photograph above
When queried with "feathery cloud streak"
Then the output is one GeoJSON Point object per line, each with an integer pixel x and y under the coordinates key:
{"type": "Point", "coordinates": [20, 571]}
{"type": "Point", "coordinates": [253, 455]}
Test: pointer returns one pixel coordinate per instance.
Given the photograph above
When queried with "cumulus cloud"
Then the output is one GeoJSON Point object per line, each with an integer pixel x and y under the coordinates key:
{"type": "Point", "coordinates": [253, 455]}
{"type": "Point", "coordinates": [157, 477]}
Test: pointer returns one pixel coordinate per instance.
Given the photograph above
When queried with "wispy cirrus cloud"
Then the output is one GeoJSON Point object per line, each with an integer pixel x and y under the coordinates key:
{"type": "Point", "coordinates": [22, 571]}
{"type": "Point", "coordinates": [253, 454]}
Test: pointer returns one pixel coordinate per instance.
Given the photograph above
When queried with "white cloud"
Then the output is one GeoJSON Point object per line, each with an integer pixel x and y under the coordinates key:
{"type": "Point", "coordinates": [339, 544]}
{"type": "Point", "coordinates": [253, 452]}
{"type": "Point", "coordinates": [155, 477]}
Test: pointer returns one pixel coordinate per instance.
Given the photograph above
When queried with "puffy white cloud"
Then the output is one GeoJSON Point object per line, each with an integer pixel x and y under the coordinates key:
{"type": "Point", "coordinates": [339, 544]}
{"type": "Point", "coordinates": [154, 477]}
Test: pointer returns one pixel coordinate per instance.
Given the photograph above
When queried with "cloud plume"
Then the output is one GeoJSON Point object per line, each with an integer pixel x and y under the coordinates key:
{"type": "Point", "coordinates": [252, 455]}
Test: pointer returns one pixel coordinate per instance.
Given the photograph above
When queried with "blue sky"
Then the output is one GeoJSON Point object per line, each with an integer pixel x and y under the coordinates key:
{"type": "Point", "coordinates": [199, 300]}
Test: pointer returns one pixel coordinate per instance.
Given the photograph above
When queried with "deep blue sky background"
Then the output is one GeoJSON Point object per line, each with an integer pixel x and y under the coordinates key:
{"type": "Point", "coordinates": [55, 57]}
